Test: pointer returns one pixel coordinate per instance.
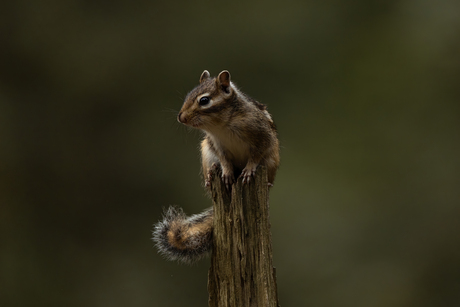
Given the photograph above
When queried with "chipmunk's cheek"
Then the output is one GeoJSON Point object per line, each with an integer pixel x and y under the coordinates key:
{"type": "Point", "coordinates": [196, 122]}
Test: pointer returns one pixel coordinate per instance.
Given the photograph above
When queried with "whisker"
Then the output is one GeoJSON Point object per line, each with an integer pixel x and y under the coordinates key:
{"type": "Point", "coordinates": [170, 110]}
{"type": "Point", "coordinates": [181, 95]}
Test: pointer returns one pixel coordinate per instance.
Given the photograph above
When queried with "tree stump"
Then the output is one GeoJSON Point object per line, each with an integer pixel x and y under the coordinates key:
{"type": "Point", "coordinates": [242, 273]}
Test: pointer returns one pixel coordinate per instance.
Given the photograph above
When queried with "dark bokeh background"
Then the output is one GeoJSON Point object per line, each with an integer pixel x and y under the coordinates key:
{"type": "Point", "coordinates": [366, 94]}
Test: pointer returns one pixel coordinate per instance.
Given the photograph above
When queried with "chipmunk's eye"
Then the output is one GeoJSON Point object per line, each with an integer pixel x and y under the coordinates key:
{"type": "Point", "coordinates": [204, 101]}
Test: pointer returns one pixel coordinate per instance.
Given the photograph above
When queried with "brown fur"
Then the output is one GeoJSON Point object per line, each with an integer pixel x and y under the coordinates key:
{"type": "Point", "coordinates": [239, 131]}
{"type": "Point", "coordinates": [183, 235]}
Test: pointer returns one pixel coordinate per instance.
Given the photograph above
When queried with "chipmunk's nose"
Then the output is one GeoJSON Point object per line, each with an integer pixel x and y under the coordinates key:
{"type": "Point", "coordinates": [181, 118]}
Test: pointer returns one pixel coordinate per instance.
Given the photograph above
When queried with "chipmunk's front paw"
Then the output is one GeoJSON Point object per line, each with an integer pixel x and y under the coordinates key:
{"type": "Point", "coordinates": [247, 173]}
{"type": "Point", "coordinates": [228, 179]}
{"type": "Point", "coordinates": [211, 171]}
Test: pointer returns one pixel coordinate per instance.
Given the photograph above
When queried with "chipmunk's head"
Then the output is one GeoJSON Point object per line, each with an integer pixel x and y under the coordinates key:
{"type": "Point", "coordinates": [205, 106]}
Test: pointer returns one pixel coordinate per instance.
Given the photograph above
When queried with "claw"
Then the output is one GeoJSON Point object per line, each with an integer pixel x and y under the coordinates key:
{"type": "Point", "coordinates": [246, 174]}
{"type": "Point", "coordinates": [211, 171]}
{"type": "Point", "coordinates": [228, 180]}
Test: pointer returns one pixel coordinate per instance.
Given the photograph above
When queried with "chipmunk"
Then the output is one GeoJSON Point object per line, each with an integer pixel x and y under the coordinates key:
{"type": "Point", "coordinates": [239, 136]}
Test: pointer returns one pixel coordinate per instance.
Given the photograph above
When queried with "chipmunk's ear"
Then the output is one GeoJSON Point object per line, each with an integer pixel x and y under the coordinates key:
{"type": "Point", "coordinates": [204, 76]}
{"type": "Point", "coordinates": [223, 81]}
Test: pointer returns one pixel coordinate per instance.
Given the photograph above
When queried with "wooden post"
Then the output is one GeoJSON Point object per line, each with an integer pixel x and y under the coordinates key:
{"type": "Point", "coordinates": [242, 273]}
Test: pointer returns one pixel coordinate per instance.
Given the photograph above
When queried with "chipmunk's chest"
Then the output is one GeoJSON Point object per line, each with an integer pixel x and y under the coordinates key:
{"type": "Point", "coordinates": [232, 146]}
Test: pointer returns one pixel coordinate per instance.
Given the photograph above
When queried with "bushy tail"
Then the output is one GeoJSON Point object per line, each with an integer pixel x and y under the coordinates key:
{"type": "Point", "coordinates": [182, 238]}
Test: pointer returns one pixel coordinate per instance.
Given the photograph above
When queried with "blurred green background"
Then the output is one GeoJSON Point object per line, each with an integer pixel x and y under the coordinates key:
{"type": "Point", "coordinates": [366, 95]}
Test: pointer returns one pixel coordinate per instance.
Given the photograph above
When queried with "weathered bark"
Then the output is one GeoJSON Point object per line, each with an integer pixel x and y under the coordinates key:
{"type": "Point", "coordinates": [242, 273]}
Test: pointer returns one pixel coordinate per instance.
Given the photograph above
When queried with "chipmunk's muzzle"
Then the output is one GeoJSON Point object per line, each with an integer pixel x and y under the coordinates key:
{"type": "Point", "coordinates": [181, 118]}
